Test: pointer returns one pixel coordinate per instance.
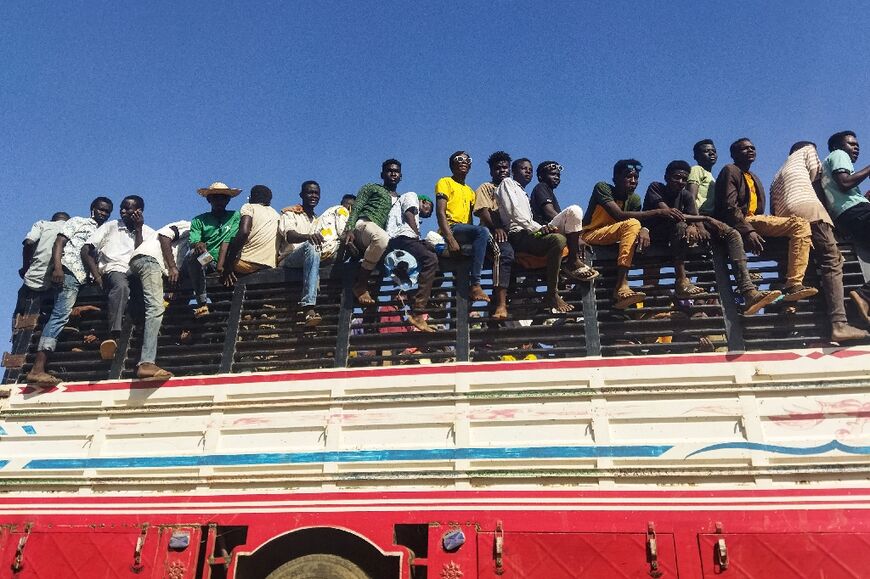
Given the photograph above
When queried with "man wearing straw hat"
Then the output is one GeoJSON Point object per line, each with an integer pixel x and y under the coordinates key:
{"type": "Point", "coordinates": [209, 232]}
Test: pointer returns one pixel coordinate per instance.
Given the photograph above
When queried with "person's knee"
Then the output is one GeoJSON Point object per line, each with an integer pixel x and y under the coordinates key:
{"type": "Point", "coordinates": [506, 252]}
{"type": "Point", "coordinates": [575, 212]}
{"type": "Point", "coordinates": [558, 241]}
{"type": "Point", "coordinates": [798, 227]}
{"type": "Point", "coordinates": [631, 225]}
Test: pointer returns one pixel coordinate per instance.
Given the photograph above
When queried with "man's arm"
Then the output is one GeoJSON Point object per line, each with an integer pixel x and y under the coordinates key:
{"type": "Point", "coordinates": [444, 226]}
{"type": "Point", "coordinates": [409, 216]}
{"type": "Point", "coordinates": [168, 258]}
{"type": "Point", "coordinates": [89, 259]}
{"type": "Point", "coordinates": [27, 250]}
{"type": "Point", "coordinates": [235, 246]}
{"type": "Point", "coordinates": [138, 222]}
{"type": "Point", "coordinates": [56, 255]}
{"type": "Point", "coordinates": [514, 206]}
{"type": "Point", "coordinates": [846, 181]}
{"type": "Point", "coordinates": [544, 201]}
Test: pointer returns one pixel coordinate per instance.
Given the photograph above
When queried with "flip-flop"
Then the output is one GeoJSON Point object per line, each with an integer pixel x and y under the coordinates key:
{"type": "Point", "coordinates": [583, 273]}
{"type": "Point", "coordinates": [628, 298]}
{"type": "Point", "coordinates": [690, 291]}
{"type": "Point", "coordinates": [312, 319]}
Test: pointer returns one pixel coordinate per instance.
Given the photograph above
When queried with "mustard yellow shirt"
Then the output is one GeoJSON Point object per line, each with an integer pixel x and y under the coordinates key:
{"type": "Point", "coordinates": [753, 195]}
{"type": "Point", "coordinates": [459, 197]}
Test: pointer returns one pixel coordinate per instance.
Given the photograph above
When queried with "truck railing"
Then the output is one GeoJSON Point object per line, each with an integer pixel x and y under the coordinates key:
{"type": "Point", "coordinates": [256, 326]}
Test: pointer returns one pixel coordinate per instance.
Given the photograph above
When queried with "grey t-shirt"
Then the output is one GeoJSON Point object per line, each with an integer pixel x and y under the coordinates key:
{"type": "Point", "coordinates": [43, 234]}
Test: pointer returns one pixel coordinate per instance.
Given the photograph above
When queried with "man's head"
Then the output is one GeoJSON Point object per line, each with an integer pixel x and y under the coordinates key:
{"type": "Point", "coordinates": [129, 206]}
{"type": "Point", "coordinates": [846, 141]}
{"type": "Point", "coordinates": [800, 145]}
{"type": "Point", "coordinates": [677, 175]}
{"type": "Point", "coordinates": [743, 152]}
{"type": "Point", "coordinates": [260, 195]}
{"type": "Point", "coordinates": [347, 201]}
{"type": "Point", "coordinates": [60, 216]}
{"type": "Point", "coordinates": [218, 201]}
{"type": "Point", "coordinates": [522, 171]}
{"type": "Point", "coordinates": [101, 208]}
{"type": "Point", "coordinates": [549, 173]}
{"type": "Point", "coordinates": [460, 163]}
{"type": "Point", "coordinates": [426, 206]}
{"type": "Point", "coordinates": [499, 166]}
{"type": "Point", "coordinates": [310, 194]}
{"type": "Point", "coordinates": [705, 153]}
{"type": "Point", "coordinates": [391, 173]}
{"type": "Point", "coordinates": [626, 173]}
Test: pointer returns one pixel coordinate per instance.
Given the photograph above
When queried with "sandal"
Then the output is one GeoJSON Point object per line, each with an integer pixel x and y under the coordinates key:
{"type": "Point", "coordinates": [201, 311]}
{"type": "Point", "coordinates": [420, 323]}
{"type": "Point", "coordinates": [798, 292]}
{"type": "Point", "coordinates": [312, 318]}
{"type": "Point", "coordinates": [42, 379]}
{"type": "Point", "coordinates": [756, 300]}
{"type": "Point", "coordinates": [626, 298]}
{"type": "Point", "coordinates": [583, 273]}
{"type": "Point", "coordinates": [689, 291]}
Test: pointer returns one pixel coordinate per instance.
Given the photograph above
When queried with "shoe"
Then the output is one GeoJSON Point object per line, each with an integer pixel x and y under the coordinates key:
{"type": "Point", "coordinates": [756, 300]}
{"type": "Point", "coordinates": [151, 370]}
{"type": "Point", "coordinates": [108, 349]}
{"type": "Point", "coordinates": [312, 318]}
{"type": "Point", "coordinates": [862, 306]}
{"type": "Point", "coordinates": [798, 292]}
{"type": "Point", "coordinates": [626, 298]}
{"type": "Point", "coordinates": [418, 322]}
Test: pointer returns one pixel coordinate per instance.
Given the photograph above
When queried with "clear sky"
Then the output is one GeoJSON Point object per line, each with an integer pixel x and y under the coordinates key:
{"type": "Point", "coordinates": [159, 98]}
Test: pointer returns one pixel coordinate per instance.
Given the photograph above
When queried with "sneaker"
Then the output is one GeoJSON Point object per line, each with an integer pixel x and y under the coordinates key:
{"type": "Point", "coordinates": [798, 292]}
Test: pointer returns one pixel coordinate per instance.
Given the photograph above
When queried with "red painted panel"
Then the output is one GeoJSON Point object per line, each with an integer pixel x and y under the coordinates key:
{"type": "Point", "coordinates": [572, 555]}
{"type": "Point", "coordinates": [79, 553]}
{"type": "Point", "coordinates": [177, 563]}
{"type": "Point", "coordinates": [792, 555]}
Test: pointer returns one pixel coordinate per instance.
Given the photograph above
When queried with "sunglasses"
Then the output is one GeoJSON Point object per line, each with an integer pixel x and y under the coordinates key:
{"type": "Point", "coordinates": [634, 167]}
{"type": "Point", "coordinates": [462, 159]}
{"type": "Point", "coordinates": [555, 166]}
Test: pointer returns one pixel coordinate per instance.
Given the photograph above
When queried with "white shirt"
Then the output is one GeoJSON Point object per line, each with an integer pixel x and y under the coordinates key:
{"type": "Point", "coordinates": [514, 207]}
{"type": "Point", "coordinates": [396, 224]}
{"type": "Point", "coordinates": [180, 245]}
{"type": "Point", "coordinates": [77, 230]}
{"type": "Point", "coordinates": [115, 245]}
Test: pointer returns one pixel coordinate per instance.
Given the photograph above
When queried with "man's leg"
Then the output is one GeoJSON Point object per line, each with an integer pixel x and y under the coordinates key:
{"type": "Point", "coordinates": [625, 233]}
{"type": "Point", "coordinates": [679, 245]}
{"type": "Point", "coordinates": [797, 230]}
{"type": "Point", "coordinates": [427, 264]}
{"type": "Point", "coordinates": [479, 238]}
{"type": "Point", "coordinates": [63, 305]}
{"type": "Point", "coordinates": [374, 239]}
{"type": "Point", "coordinates": [503, 266]}
{"type": "Point", "coordinates": [150, 275]}
{"type": "Point", "coordinates": [551, 246]}
{"type": "Point", "coordinates": [855, 222]}
{"type": "Point", "coordinates": [117, 287]}
{"type": "Point", "coordinates": [569, 222]}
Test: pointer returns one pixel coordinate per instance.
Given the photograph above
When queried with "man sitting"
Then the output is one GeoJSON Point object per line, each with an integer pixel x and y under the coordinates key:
{"type": "Point", "coordinates": [255, 245]}
{"type": "Point", "coordinates": [614, 216]}
{"type": "Point", "coordinates": [794, 192]}
{"type": "Point", "coordinates": [454, 202]}
{"type": "Point", "coordinates": [673, 194]}
{"type": "Point", "coordinates": [740, 204]}
{"type": "Point", "coordinates": [527, 235]}
{"type": "Point", "coordinates": [701, 182]}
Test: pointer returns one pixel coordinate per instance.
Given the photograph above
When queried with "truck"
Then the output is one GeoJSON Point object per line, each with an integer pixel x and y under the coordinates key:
{"type": "Point", "coordinates": [678, 439]}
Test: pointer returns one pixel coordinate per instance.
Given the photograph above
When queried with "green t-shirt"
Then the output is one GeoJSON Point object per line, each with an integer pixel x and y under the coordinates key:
{"type": "Point", "coordinates": [597, 216]}
{"type": "Point", "coordinates": [839, 200]}
{"type": "Point", "coordinates": [213, 231]}
{"type": "Point", "coordinates": [703, 178]}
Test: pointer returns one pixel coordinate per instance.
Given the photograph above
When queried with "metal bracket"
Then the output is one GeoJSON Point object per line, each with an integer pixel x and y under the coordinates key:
{"type": "Point", "coordinates": [498, 548]}
{"type": "Point", "coordinates": [720, 554]}
{"type": "Point", "coordinates": [18, 562]}
{"type": "Point", "coordinates": [215, 542]}
{"type": "Point", "coordinates": [137, 565]}
{"type": "Point", "coordinates": [652, 551]}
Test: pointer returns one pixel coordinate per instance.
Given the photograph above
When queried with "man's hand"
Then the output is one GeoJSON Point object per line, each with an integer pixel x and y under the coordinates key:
{"type": "Point", "coordinates": [548, 229]}
{"type": "Point", "coordinates": [228, 278]}
{"type": "Point", "coordinates": [172, 275]}
{"type": "Point", "coordinates": [199, 248]}
{"type": "Point", "coordinates": [672, 214]}
{"type": "Point", "coordinates": [500, 235]}
{"type": "Point", "coordinates": [316, 238]}
{"type": "Point", "coordinates": [452, 245]}
{"type": "Point", "coordinates": [138, 219]}
{"type": "Point", "coordinates": [98, 280]}
{"type": "Point", "coordinates": [642, 240]}
{"type": "Point", "coordinates": [754, 243]}
{"type": "Point", "coordinates": [702, 233]}
{"type": "Point", "coordinates": [57, 276]}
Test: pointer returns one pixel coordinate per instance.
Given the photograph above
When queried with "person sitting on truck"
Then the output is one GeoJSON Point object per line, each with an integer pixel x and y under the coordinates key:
{"type": "Point", "coordinates": [403, 227]}
{"type": "Point", "coordinates": [153, 259]}
{"type": "Point", "coordinates": [849, 208]}
{"type": "Point", "coordinates": [255, 245]}
{"type": "Point", "coordinates": [695, 228]}
{"type": "Point", "coordinates": [795, 192]}
{"type": "Point", "coordinates": [347, 201]}
{"type": "Point", "coordinates": [701, 182]}
{"type": "Point", "coordinates": [454, 202]}
{"type": "Point", "coordinates": [740, 204]}
{"type": "Point", "coordinates": [568, 222]}
{"type": "Point", "coordinates": [614, 216]}
{"type": "Point", "coordinates": [67, 269]}
{"type": "Point", "coordinates": [107, 253]}
{"type": "Point", "coordinates": [486, 210]}
{"type": "Point", "coordinates": [365, 227]}
{"type": "Point", "coordinates": [210, 234]}
{"type": "Point", "coordinates": [308, 241]}
{"type": "Point", "coordinates": [36, 260]}
{"type": "Point", "coordinates": [527, 235]}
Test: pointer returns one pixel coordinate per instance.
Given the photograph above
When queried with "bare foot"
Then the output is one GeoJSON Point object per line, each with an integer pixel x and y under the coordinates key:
{"type": "Point", "coordinates": [151, 370]}
{"type": "Point", "coordinates": [500, 313]}
{"type": "Point", "coordinates": [558, 304]}
{"type": "Point", "coordinates": [364, 298]}
{"type": "Point", "coordinates": [42, 379]}
{"type": "Point", "coordinates": [419, 322]}
{"type": "Point", "coordinates": [476, 294]}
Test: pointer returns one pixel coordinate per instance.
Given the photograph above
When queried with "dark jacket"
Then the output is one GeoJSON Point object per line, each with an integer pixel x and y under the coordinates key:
{"type": "Point", "coordinates": [732, 198]}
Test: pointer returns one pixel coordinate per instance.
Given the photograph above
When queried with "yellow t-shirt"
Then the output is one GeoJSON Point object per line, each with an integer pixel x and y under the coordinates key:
{"type": "Point", "coordinates": [459, 197]}
{"type": "Point", "coordinates": [753, 195]}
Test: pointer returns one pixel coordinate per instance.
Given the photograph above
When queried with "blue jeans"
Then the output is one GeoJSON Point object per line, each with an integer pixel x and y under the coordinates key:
{"type": "Point", "coordinates": [63, 305]}
{"type": "Point", "coordinates": [150, 274]}
{"type": "Point", "coordinates": [306, 256]}
{"type": "Point", "coordinates": [197, 272]}
{"type": "Point", "coordinates": [478, 237]}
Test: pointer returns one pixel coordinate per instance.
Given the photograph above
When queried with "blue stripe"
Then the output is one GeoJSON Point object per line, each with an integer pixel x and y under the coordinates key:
{"type": "Point", "coordinates": [28, 429]}
{"type": "Point", "coordinates": [348, 456]}
{"type": "Point", "coordinates": [3, 431]}
{"type": "Point", "coordinates": [792, 450]}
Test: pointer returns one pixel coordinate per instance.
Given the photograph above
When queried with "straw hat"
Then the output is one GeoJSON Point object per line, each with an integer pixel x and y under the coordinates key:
{"type": "Point", "coordinates": [218, 188]}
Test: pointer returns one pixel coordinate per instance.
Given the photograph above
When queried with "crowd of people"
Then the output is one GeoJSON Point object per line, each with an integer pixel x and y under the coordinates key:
{"type": "Point", "coordinates": [809, 200]}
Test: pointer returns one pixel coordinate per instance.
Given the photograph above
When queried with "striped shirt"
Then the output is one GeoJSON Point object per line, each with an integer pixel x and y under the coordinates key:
{"type": "Point", "coordinates": [373, 202]}
{"type": "Point", "coordinates": [792, 192]}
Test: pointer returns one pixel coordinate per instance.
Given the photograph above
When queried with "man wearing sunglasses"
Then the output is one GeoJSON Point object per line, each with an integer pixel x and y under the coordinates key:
{"type": "Point", "coordinates": [568, 222]}
{"type": "Point", "coordinates": [615, 216]}
{"type": "Point", "coordinates": [454, 202]}
{"type": "Point", "coordinates": [740, 203]}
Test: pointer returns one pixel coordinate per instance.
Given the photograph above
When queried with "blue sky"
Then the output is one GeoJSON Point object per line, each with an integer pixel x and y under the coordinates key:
{"type": "Point", "coordinates": [160, 98]}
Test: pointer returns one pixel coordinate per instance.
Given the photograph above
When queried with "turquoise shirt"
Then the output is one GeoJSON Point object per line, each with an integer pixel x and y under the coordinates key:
{"type": "Point", "coordinates": [839, 200]}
